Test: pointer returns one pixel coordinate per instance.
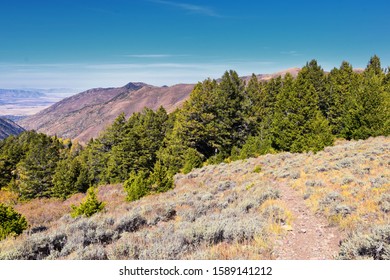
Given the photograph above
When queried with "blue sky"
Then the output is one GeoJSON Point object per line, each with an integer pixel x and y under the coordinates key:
{"type": "Point", "coordinates": [101, 43]}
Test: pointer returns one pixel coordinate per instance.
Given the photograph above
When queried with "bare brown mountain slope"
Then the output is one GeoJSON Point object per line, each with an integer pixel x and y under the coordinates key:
{"type": "Point", "coordinates": [85, 115]}
{"type": "Point", "coordinates": [8, 128]}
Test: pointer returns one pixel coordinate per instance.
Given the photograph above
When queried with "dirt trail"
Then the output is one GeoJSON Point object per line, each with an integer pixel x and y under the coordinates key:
{"type": "Point", "coordinates": [311, 237]}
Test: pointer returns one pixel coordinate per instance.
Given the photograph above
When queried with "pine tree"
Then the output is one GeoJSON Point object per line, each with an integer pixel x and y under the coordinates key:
{"type": "Point", "coordinates": [370, 115]}
{"type": "Point", "coordinates": [314, 75]}
{"type": "Point", "coordinates": [192, 159]}
{"type": "Point", "coordinates": [160, 179]}
{"type": "Point", "coordinates": [142, 137]}
{"type": "Point", "coordinates": [12, 223]}
{"type": "Point", "coordinates": [68, 178]}
{"type": "Point", "coordinates": [89, 206]}
{"type": "Point", "coordinates": [342, 88]}
{"type": "Point", "coordinates": [35, 172]}
{"type": "Point", "coordinates": [254, 107]}
{"type": "Point", "coordinates": [137, 185]}
{"type": "Point", "coordinates": [298, 123]}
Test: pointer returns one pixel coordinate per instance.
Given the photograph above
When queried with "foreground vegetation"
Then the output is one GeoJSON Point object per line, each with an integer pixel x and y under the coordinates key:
{"type": "Point", "coordinates": [225, 211]}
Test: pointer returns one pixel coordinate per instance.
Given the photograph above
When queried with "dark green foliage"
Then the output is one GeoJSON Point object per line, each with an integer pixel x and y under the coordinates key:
{"type": "Point", "coordinates": [137, 186]}
{"type": "Point", "coordinates": [89, 206]}
{"type": "Point", "coordinates": [161, 179]}
{"type": "Point", "coordinates": [136, 150]}
{"type": "Point", "coordinates": [29, 163]}
{"type": "Point", "coordinates": [256, 146]}
{"type": "Point", "coordinates": [69, 178]}
{"type": "Point", "coordinates": [298, 124]}
{"type": "Point", "coordinates": [371, 114]}
{"type": "Point", "coordinates": [342, 88]}
{"type": "Point", "coordinates": [192, 159]}
{"type": "Point", "coordinates": [11, 222]}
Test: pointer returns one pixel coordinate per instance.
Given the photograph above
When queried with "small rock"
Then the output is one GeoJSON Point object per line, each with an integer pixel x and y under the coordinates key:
{"type": "Point", "coordinates": [302, 230]}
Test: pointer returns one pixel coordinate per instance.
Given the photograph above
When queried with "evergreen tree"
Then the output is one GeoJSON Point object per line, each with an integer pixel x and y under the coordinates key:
{"type": "Point", "coordinates": [298, 123]}
{"type": "Point", "coordinates": [137, 185]}
{"type": "Point", "coordinates": [35, 172]}
{"type": "Point", "coordinates": [68, 178]}
{"type": "Point", "coordinates": [12, 223]}
{"type": "Point", "coordinates": [89, 206]}
{"type": "Point", "coordinates": [370, 115]}
{"type": "Point", "coordinates": [254, 107]}
{"type": "Point", "coordinates": [192, 159]}
{"type": "Point", "coordinates": [314, 75]}
{"type": "Point", "coordinates": [142, 137]}
{"type": "Point", "coordinates": [374, 66]}
{"type": "Point", "coordinates": [160, 179]}
{"type": "Point", "coordinates": [342, 88]}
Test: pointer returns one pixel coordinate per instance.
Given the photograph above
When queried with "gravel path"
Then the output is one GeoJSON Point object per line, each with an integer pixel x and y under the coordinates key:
{"type": "Point", "coordinates": [311, 237]}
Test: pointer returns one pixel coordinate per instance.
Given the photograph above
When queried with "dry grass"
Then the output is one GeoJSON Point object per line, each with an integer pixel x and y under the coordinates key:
{"type": "Point", "coordinates": [226, 211]}
{"type": "Point", "coordinates": [349, 183]}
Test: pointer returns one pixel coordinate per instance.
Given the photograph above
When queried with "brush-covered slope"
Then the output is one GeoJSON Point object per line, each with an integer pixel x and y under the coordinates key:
{"type": "Point", "coordinates": [84, 115]}
{"type": "Point", "coordinates": [281, 206]}
{"type": "Point", "coordinates": [8, 128]}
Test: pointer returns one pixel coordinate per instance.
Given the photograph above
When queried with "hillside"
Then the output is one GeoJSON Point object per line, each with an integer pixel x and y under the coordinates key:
{"type": "Point", "coordinates": [282, 206]}
{"type": "Point", "coordinates": [84, 115]}
{"type": "Point", "coordinates": [8, 128]}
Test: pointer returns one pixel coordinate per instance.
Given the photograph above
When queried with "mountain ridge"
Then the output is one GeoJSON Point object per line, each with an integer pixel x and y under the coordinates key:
{"type": "Point", "coordinates": [8, 127]}
{"type": "Point", "coordinates": [84, 115]}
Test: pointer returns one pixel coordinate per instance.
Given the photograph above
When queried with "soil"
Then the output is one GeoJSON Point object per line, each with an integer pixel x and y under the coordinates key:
{"type": "Point", "coordinates": [310, 236]}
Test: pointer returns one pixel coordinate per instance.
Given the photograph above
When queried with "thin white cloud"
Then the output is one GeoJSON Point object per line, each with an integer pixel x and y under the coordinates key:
{"type": "Point", "coordinates": [148, 55]}
{"type": "Point", "coordinates": [119, 66]}
{"type": "Point", "coordinates": [196, 9]}
{"type": "Point", "coordinates": [292, 53]}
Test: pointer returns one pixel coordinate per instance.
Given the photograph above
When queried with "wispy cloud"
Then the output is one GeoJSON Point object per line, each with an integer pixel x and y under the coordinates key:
{"type": "Point", "coordinates": [292, 53]}
{"type": "Point", "coordinates": [152, 55]}
{"type": "Point", "coordinates": [195, 9]}
{"type": "Point", "coordinates": [148, 55]}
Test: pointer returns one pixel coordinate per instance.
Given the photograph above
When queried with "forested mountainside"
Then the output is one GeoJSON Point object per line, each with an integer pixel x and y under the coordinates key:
{"type": "Point", "coordinates": [222, 121]}
{"type": "Point", "coordinates": [8, 127]}
{"type": "Point", "coordinates": [85, 115]}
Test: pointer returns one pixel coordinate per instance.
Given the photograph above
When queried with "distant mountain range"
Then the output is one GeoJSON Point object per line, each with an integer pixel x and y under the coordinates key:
{"type": "Point", "coordinates": [23, 102]}
{"type": "Point", "coordinates": [84, 115]}
{"type": "Point", "coordinates": [6, 95]}
{"type": "Point", "coordinates": [8, 128]}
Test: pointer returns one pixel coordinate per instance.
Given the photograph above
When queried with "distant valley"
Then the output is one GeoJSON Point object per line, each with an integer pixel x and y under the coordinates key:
{"type": "Point", "coordinates": [15, 103]}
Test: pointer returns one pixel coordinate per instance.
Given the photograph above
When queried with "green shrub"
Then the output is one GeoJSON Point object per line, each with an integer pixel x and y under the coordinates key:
{"type": "Point", "coordinates": [161, 180]}
{"type": "Point", "coordinates": [375, 245]}
{"type": "Point", "coordinates": [192, 159]}
{"type": "Point", "coordinates": [255, 146]}
{"type": "Point", "coordinates": [137, 186]}
{"type": "Point", "coordinates": [89, 206]}
{"type": "Point", "coordinates": [11, 222]}
{"type": "Point", "coordinates": [257, 169]}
